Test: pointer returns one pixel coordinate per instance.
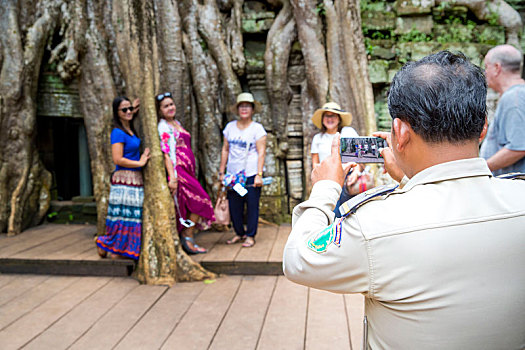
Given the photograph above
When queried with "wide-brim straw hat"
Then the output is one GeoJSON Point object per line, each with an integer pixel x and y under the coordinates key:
{"type": "Point", "coordinates": [247, 97]}
{"type": "Point", "coordinates": [317, 118]}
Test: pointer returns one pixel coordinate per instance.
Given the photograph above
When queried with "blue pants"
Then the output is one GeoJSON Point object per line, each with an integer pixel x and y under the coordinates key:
{"type": "Point", "coordinates": [237, 204]}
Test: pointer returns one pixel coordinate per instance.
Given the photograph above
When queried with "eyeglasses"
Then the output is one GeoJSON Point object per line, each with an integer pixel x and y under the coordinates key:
{"type": "Point", "coordinates": [126, 109]}
{"type": "Point", "coordinates": [161, 97]}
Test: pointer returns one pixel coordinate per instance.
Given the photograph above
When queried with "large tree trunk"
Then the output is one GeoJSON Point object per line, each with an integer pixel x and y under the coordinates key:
{"type": "Point", "coordinates": [24, 189]}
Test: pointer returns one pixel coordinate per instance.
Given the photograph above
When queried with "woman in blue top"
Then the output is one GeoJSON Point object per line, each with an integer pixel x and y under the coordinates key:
{"type": "Point", "coordinates": [124, 220]}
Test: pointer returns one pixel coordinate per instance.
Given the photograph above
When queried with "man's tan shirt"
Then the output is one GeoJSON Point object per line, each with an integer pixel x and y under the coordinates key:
{"type": "Point", "coordinates": [440, 261]}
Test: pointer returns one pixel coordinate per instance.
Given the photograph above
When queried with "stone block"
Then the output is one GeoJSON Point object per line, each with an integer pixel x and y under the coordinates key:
{"type": "Point", "coordinates": [296, 75]}
{"type": "Point", "coordinates": [472, 51]}
{"type": "Point", "coordinates": [276, 188]}
{"type": "Point", "coordinates": [414, 7]}
{"type": "Point", "coordinates": [383, 53]}
{"type": "Point", "coordinates": [378, 71]}
{"type": "Point", "coordinates": [376, 20]}
{"type": "Point", "coordinates": [271, 208]}
{"type": "Point", "coordinates": [423, 24]}
{"type": "Point", "coordinates": [414, 51]}
{"type": "Point", "coordinates": [89, 209]}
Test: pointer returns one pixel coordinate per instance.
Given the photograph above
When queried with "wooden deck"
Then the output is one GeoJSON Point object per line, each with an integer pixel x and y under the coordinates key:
{"type": "Point", "coordinates": [233, 312]}
{"type": "Point", "coordinates": [70, 250]}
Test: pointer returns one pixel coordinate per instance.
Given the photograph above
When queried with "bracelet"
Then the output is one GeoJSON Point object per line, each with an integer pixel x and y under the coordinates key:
{"type": "Point", "coordinates": [260, 174]}
{"type": "Point", "coordinates": [220, 173]}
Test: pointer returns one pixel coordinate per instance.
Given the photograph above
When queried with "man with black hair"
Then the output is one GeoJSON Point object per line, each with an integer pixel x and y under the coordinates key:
{"type": "Point", "coordinates": [440, 258]}
{"type": "Point", "coordinates": [504, 146]}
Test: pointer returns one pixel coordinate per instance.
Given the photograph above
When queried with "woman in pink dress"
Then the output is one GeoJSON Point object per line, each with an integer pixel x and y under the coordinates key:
{"type": "Point", "coordinates": [191, 201]}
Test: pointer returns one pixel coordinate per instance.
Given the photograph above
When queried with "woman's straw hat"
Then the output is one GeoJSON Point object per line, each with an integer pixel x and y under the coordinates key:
{"type": "Point", "coordinates": [317, 118]}
{"type": "Point", "coordinates": [247, 97]}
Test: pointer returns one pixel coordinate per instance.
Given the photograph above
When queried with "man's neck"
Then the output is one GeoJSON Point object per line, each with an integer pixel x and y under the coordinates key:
{"type": "Point", "coordinates": [426, 155]}
{"type": "Point", "coordinates": [509, 82]}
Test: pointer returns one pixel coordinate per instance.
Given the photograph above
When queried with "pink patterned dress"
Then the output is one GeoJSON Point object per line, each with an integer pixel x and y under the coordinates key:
{"type": "Point", "coordinates": [192, 198]}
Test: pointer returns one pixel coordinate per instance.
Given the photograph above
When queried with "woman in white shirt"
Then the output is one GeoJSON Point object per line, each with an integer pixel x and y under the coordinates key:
{"type": "Point", "coordinates": [331, 119]}
{"type": "Point", "coordinates": [244, 149]}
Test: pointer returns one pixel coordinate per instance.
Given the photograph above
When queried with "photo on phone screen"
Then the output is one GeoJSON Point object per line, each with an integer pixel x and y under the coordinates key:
{"type": "Point", "coordinates": [362, 149]}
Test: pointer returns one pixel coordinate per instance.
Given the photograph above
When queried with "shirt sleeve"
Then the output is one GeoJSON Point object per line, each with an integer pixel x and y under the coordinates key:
{"type": "Point", "coordinates": [117, 136]}
{"type": "Point", "coordinates": [226, 130]}
{"type": "Point", "coordinates": [164, 136]}
{"type": "Point", "coordinates": [315, 144]}
{"type": "Point", "coordinates": [259, 131]}
{"type": "Point", "coordinates": [340, 269]}
{"type": "Point", "coordinates": [513, 129]}
{"type": "Point", "coordinates": [348, 131]}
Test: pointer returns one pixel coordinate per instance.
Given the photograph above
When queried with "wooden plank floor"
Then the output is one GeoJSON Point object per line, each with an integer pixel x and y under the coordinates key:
{"type": "Point", "coordinates": [69, 249]}
{"type": "Point", "coordinates": [233, 312]}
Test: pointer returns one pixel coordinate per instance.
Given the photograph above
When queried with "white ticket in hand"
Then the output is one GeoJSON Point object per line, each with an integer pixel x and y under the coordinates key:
{"type": "Point", "coordinates": [240, 189]}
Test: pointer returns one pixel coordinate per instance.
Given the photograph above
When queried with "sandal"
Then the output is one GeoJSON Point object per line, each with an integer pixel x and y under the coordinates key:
{"type": "Point", "coordinates": [196, 248]}
{"type": "Point", "coordinates": [249, 242]}
{"type": "Point", "coordinates": [236, 239]}
{"type": "Point", "coordinates": [101, 252]}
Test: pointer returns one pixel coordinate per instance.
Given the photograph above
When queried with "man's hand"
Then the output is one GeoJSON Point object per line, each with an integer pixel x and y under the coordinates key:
{"type": "Point", "coordinates": [391, 166]}
{"type": "Point", "coordinates": [331, 168]}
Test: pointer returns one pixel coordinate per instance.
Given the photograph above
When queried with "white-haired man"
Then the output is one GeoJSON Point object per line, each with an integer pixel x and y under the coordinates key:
{"type": "Point", "coordinates": [504, 146]}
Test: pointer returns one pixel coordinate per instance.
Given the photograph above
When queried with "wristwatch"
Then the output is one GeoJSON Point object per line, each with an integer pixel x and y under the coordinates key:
{"type": "Point", "coordinates": [260, 174]}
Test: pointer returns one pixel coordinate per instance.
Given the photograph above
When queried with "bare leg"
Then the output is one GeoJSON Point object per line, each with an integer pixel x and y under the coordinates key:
{"type": "Point", "coordinates": [189, 232]}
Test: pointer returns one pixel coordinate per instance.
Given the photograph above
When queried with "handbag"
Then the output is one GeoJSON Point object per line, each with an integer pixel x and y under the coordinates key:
{"type": "Point", "coordinates": [364, 182]}
{"type": "Point", "coordinates": [222, 209]}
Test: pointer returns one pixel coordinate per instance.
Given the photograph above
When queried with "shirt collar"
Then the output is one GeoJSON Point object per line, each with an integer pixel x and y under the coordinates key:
{"type": "Point", "coordinates": [456, 169]}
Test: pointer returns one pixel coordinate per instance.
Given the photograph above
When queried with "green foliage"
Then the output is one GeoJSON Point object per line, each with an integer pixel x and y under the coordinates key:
{"type": "Point", "coordinates": [319, 9]}
{"type": "Point", "coordinates": [52, 215]}
{"type": "Point", "coordinates": [369, 5]}
{"type": "Point", "coordinates": [414, 35]}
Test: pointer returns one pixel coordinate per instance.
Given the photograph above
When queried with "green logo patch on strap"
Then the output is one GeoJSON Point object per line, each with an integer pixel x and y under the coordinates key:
{"type": "Point", "coordinates": [331, 234]}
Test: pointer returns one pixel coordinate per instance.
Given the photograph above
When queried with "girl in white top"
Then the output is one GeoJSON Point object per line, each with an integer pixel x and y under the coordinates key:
{"type": "Point", "coordinates": [332, 119]}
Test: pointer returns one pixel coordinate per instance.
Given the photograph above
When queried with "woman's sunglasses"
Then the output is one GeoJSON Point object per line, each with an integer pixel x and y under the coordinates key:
{"type": "Point", "coordinates": [161, 97]}
{"type": "Point", "coordinates": [126, 109]}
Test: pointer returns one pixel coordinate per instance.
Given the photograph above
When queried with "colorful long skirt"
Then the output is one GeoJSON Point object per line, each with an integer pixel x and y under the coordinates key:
{"type": "Point", "coordinates": [124, 219]}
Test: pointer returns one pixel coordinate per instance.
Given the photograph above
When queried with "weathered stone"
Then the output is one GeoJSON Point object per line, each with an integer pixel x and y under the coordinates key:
{"type": "Point", "coordinates": [56, 99]}
{"type": "Point", "coordinates": [295, 178]}
{"type": "Point", "coordinates": [296, 75]}
{"type": "Point", "coordinates": [378, 71]}
{"type": "Point", "coordinates": [383, 119]}
{"type": "Point", "coordinates": [423, 24]}
{"type": "Point", "coordinates": [472, 51]}
{"type": "Point", "coordinates": [414, 7]}
{"type": "Point", "coordinates": [271, 208]}
{"type": "Point", "coordinates": [384, 43]}
{"type": "Point", "coordinates": [256, 25]}
{"type": "Point", "coordinates": [415, 50]}
{"type": "Point", "coordinates": [381, 52]}
{"type": "Point", "coordinates": [378, 20]}
{"type": "Point", "coordinates": [275, 188]}
{"type": "Point", "coordinates": [254, 53]}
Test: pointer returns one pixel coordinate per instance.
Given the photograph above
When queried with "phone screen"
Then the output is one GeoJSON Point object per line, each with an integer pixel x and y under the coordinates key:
{"type": "Point", "coordinates": [362, 149]}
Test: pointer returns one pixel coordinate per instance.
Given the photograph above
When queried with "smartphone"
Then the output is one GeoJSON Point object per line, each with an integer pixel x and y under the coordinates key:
{"type": "Point", "coordinates": [186, 222]}
{"type": "Point", "coordinates": [362, 149]}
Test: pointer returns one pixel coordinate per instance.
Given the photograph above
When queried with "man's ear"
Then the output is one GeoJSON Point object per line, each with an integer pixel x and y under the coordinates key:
{"type": "Point", "coordinates": [484, 131]}
{"type": "Point", "coordinates": [403, 134]}
{"type": "Point", "coordinates": [497, 68]}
